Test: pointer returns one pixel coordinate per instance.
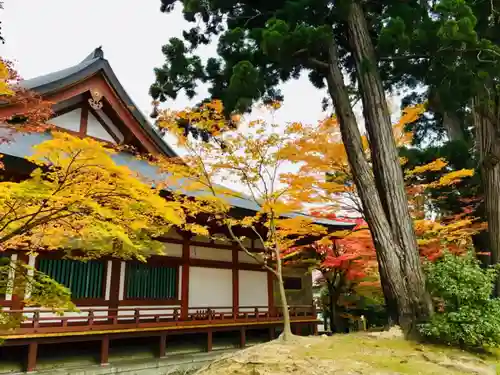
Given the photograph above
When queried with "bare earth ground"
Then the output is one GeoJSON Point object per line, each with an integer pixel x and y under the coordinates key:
{"type": "Point", "coordinates": [385, 353]}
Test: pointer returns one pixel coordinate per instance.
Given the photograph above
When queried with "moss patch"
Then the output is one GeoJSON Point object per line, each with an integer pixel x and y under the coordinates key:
{"type": "Point", "coordinates": [351, 354]}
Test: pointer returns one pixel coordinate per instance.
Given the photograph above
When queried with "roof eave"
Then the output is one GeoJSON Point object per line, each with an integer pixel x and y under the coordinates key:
{"type": "Point", "coordinates": [104, 66]}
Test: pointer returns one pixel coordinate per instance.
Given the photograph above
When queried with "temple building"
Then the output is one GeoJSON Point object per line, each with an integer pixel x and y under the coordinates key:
{"type": "Point", "coordinates": [201, 286]}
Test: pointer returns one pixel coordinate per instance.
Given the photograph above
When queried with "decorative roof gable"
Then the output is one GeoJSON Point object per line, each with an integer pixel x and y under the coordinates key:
{"type": "Point", "coordinates": [94, 80]}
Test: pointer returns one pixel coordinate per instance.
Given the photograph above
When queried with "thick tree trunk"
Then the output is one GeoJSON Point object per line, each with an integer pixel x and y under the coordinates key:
{"type": "Point", "coordinates": [287, 329]}
{"type": "Point", "coordinates": [451, 123]}
{"type": "Point", "coordinates": [487, 126]}
{"type": "Point", "coordinates": [411, 302]}
{"type": "Point", "coordinates": [385, 158]}
{"type": "Point", "coordinates": [452, 126]}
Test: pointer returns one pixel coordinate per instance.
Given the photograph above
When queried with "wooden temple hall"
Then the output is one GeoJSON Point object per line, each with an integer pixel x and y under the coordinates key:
{"type": "Point", "coordinates": [201, 288]}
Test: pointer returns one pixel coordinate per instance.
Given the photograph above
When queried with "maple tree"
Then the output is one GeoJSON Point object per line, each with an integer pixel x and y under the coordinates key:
{"type": "Point", "coordinates": [348, 266]}
{"type": "Point", "coordinates": [73, 197]}
{"type": "Point", "coordinates": [28, 112]}
{"type": "Point", "coordinates": [250, 158]}
{"type": "Point", "coordinates": [325, 179]}
{"type": "Point", "coordinates": [262, 45]}
{"type": "Point", "coordinates": [79, 198]}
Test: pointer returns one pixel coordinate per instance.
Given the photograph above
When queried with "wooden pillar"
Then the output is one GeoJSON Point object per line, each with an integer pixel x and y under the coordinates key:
{"type": "Point", "coordinates": [32, 355]}
{"type": "Point", "coordinates": [270, 293]}
{"type": "Point", "coordinates": [243, 337]}
{"type": "Point", "coordinates": [114, 287]}
{"type": "Point", "coordinates": [84, 120]}
{"type": "Point", "coordinates": [236, 283]}
{"type": "Point", "coordinates": [163, 345]}
{"type": "Point", "coordinates": [209, 340]}
{"type": "Point", "coordinates": [315, 329]}
{"type": "Point", "coordinates": [185, 279]}
{"type": "Point", "coordinates": [297, 329]}
{"type": "Point", "coordinates": [105, 350]}
{"type": "Point", "coordinates": [272, 333]}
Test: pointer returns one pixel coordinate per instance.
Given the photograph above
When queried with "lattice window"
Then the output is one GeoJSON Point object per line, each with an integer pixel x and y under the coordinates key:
{"type": "Point", "coordinates": [292, 283]}
{"type": "Point", "coordinates": [84, 279]}
{"type": "Point", "coordinates": [145, 281]}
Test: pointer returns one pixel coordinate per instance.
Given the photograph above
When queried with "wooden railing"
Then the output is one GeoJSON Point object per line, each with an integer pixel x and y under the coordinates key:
{"type": "Point", "coordinates": [99, 319]}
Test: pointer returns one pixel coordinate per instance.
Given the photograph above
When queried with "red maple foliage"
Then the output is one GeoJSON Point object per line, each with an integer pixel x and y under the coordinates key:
{"type": "Point", "coordinates": [28, 111]}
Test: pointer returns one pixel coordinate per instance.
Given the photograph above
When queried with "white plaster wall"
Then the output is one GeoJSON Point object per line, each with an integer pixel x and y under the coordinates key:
{"type": "Point", "coordinates": [31, 263]}
{"type": "Point", "coordinates": [13, 259]}
{"type": "Point", "coordinates": [107, 290]}
{"type": "Point", "coordinates": [201, 252]}
{"type": "Point", "coordinates": [95, 129]}
{"type": "Point", "coordinates": [172, 233]}
{"type": "Point", "coordinates": [69, 121]}
{"type": "Point", "coordinates": [173, 250]}
{"type": "Point", "coordinates": [252, 289]}
{"type": "Point", "coordinates": [111, 125]}
{"type": "Point", "coordinates": [258, 244]}
{"type": "Point", "coordinates": [200, 239]}
{"type": "Point", "coordinates": [121, 290]}
{"type": "Point", "coordinates": [245, 258]}
{"type": "Point", "coordinates": [210, 287]}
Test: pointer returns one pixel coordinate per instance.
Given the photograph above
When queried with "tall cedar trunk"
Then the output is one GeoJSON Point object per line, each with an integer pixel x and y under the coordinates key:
{"type": "Point", "coordinates": [451, 123]}
{"type": "Point", "coordinates": [410, 303]}
{"type": "Point", "coordinates": [487, 126]}
{"type": "Point", "coordinates": [287, 329]}
{"type": "Point", "coordinates": [385, 158]}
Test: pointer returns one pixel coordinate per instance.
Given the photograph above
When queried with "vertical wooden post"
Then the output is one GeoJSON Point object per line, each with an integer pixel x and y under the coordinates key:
{"type": "Point", "coordinates": [243, 337]}
{"type": "Point", "coordinates": [272, 333]}
{"type": "Point", "coordinates": [32, 355]}
{"type": "Point", "coordinates": [114, 288]}
{"type": "Point", "coordinates": [315, 329]}
{"type": "Point", "coordinates": [163, 345]}
{"type": "Point", "coordinates": [298, 329]}
{"type": "Point", "coordinates": [209, 340]}
{"type": "Point", "coordinates": [185, 279]}
{"type": "Point", "coordinates": [236, 283]}
{"type": "Point", "coordinates": [105, 350]}
{"type": "Point", "coordinates": [84, 120]}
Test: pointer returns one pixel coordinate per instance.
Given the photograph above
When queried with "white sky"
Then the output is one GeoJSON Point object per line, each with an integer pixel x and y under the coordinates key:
{"type": "Point", "coordinates": [43, 36]}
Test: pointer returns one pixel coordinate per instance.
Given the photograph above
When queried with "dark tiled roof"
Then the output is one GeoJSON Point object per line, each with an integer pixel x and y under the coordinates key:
{"type": "Point", "coordinates": [92, 64]}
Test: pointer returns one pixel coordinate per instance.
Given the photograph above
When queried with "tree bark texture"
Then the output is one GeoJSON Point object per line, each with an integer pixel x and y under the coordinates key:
{"type": "Point", "coordinates": [287, 329]}
{"type": "Point", "coordinates": [387, 170]}
{"type": "Point", "coordinates": [451, 123]}
{"type": "Point", "coordinates": [487, 127]}
{"type": "Point", "coordinates": [397, 255]}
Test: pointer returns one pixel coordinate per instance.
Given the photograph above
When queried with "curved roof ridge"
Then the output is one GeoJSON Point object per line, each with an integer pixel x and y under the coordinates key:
{"type": "Point", "coordinates": [92, 64]}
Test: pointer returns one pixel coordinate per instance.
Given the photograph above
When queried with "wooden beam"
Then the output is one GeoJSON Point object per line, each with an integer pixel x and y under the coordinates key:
{"type": "Point", "coordinates": [185, 280]}
{"type": "Point", "coordinates": [209, 340]}
{"type": "Point", "coordinates": [114, 288]}
{"type": "Point", "coordinates": [297, 329]}
{"type": "Point", "coordinates": [32, 356]}
{"type": "Point", "coordinates": [315, 329]}
{"type": "Point", "coordinates": [272, 333]}
{"type": "Point", "coordinates": [163, 345]}
{"type": "Point", "coordinates": [236, 282]}
{"type": "Point", "coordinates": [243, 337]}
{"type": "Point", "coordinates": [105, 350]}
{"type": "Point", "coordinates": [84, 119]}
